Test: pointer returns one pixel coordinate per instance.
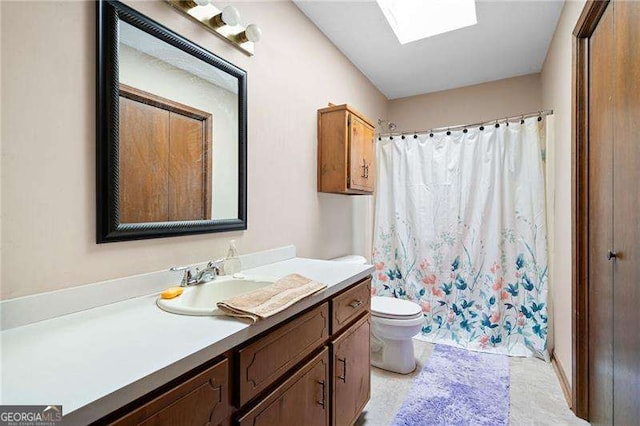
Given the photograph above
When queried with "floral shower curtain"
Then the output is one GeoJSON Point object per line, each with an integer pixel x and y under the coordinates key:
{"type": "Point", "coordinates": [460, 229]}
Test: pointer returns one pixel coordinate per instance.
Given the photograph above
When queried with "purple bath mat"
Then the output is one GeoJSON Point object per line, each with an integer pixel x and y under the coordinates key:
{"type": "Point", "coordinates": [458, 387]}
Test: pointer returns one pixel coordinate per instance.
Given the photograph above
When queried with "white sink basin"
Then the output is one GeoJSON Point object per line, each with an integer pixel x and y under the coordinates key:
{"type": "Point", "coordinates": [202, 299]}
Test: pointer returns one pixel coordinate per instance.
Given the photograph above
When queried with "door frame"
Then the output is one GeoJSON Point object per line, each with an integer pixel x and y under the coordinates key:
{"type": "Point", "coordinates": [586, 25]}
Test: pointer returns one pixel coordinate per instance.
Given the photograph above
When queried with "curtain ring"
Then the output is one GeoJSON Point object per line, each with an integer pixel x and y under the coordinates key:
{"type": "Point", "coordinates": [448, 132]}
{"type": "Point", "coordinates": [522, 119]}
{"type": "Point", "coordinates": [497, 125]}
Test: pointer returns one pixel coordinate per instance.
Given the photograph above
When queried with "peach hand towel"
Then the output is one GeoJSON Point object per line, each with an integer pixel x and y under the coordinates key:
{"type": "Point", "coordinates": [267, 301]}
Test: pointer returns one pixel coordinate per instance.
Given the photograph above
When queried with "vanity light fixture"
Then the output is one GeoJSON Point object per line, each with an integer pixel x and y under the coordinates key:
{"type": "Point", "coordinates": [224, 23]}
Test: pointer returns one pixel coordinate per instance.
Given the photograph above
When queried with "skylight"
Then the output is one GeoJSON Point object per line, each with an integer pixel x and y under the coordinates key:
{"type": "Point", "coordinates": [413, 20]}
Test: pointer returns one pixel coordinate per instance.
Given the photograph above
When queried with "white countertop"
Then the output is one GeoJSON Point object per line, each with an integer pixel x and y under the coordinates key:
{"type": "Point", "coordinates": [95, 361]}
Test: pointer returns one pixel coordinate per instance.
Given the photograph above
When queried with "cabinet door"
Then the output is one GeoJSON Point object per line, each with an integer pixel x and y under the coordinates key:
{"type": "Point", "coordinates": [351, 372]}
{"type": "Point", "coordinates": [361, 167]}
{"type": "Point", "coordinates": [301, 400]}
{"type": "Point", "coordinates": [200, 400]}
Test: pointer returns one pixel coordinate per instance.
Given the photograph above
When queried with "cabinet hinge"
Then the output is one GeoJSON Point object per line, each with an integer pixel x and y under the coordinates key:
{"type": "Point", "coordinates": [349, 120]}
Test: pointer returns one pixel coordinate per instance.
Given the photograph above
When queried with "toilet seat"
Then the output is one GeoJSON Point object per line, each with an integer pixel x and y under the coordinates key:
{"type": "Point", "coordinates": [394, 309]}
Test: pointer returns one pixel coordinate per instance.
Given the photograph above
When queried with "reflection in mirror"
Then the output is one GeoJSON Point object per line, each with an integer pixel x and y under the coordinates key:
{"type": "Point", "coordinates": [178, 133]}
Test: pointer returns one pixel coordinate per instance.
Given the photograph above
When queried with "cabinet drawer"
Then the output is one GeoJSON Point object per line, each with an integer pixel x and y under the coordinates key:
{"type": "Point", "coordinates": [267, 359]}
{"type": "Point", "coordinates": [202, 399]}
{"type": "Point", "coordinates": [301, 400]}
{"type": "Point", "coordinates": [349, 305]}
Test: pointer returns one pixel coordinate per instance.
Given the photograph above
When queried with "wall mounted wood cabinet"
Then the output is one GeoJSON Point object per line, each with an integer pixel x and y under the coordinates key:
{"type": "Point", "coordinates": [312, 369]}
{"type": "Point", "coordinates": [345, 151]}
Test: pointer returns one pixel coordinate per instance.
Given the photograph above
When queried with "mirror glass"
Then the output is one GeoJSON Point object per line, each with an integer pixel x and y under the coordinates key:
{"type": "Point", "coordinates": [178, 133]}
{"type": "Point", "coordinates": [171, 132]}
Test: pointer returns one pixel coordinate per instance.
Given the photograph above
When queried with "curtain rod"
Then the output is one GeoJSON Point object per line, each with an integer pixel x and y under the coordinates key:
{"type": "Point", "coordinates": [496, 122]}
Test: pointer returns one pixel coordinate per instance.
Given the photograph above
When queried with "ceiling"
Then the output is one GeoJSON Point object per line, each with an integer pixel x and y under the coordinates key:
{"type": "Point", "coordinates": [510, 39]}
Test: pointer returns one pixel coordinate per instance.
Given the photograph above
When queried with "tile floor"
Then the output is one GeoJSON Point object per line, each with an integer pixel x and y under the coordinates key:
{"type": "Point", "coordinates": [536, 396]}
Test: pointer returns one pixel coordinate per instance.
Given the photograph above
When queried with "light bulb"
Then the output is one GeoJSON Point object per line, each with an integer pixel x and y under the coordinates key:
{"type": "Point", "coordinates": [230, 16]}
{"type": "Point", "coordinates": [253, 33]}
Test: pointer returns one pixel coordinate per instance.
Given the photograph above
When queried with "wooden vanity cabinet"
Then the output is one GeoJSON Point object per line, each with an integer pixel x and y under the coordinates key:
{"type": "Point", "coordinates": [312, 369]}
{"type": "Point", "coordinates": [345, 151]}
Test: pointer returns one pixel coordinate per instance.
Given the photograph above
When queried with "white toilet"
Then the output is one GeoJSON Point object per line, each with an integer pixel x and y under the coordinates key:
{"type": "Point", "coordinates": [393, 324]}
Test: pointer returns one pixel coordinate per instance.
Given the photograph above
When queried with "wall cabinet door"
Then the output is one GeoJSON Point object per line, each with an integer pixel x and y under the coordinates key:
{"type": "Point", "coordinates": [300, 400]}
{"type": "Point", "coordinates": [351, 381]}
{"type": "Point", "coordinates": [360, 154]}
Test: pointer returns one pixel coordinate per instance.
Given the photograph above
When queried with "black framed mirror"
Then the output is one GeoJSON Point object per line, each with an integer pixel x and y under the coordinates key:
{"type": "Point", "coordinates": [171, 123]}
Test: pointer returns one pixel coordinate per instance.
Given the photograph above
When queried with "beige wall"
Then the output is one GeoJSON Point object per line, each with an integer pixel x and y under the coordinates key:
{"type": "Point", "coordinates": [48, 138]}
{"type": "Point", "coordinates": [556, 94]}
{"type": "Point", "coordinates": [471, 104]}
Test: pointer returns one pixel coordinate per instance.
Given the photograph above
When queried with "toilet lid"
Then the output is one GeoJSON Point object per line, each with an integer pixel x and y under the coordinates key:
{"type": "Point", "coordinates": [390, 307]}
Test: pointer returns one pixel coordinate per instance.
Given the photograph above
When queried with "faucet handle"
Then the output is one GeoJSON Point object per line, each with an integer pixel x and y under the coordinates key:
{"type": "Point", "coordinates": [218, 265]}
{"type": "Point", "coordinates": [217, 262]}
{"type": "Point", "coordinates": [186, 277]}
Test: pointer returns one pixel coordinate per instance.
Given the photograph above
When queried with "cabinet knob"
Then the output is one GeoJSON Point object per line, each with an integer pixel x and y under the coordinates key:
{"type": "Point", "coordinates": [611, 255]}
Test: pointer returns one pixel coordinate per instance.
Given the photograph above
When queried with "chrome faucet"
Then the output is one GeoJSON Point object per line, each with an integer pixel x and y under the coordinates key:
{"type": "Point", "coordinates": [211, 272]}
